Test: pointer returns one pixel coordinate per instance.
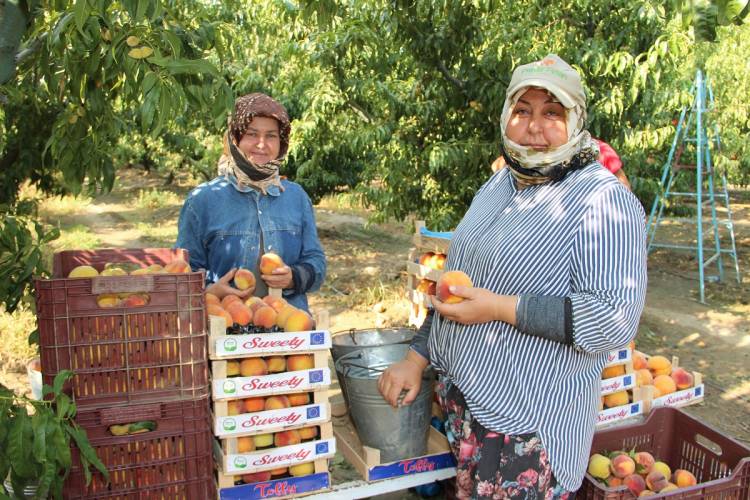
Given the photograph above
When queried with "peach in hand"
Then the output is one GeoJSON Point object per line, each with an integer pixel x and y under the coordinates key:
{"type": "Point", "coordinates": [270, 261]}
{"type": "Point", "coordinates": [448, 279]}
{"type": "Point", "coordinates": [244, 279]}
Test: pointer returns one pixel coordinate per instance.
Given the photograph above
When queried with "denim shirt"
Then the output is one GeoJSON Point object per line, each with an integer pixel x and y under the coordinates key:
{"type": "Point", "coordinates": [221, 226]}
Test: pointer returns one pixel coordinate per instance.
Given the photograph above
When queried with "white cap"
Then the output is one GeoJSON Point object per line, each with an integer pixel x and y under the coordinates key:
{"type": "Point", "coordinates": [553, 74]}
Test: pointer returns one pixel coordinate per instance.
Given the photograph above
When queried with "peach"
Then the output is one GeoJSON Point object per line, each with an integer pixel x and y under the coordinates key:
{"type": "Point", "coordinates": [279, 472]}
{"type": "Point", "coordinates": [644, 461]}
{"type": "Point", "coordinates": [438, 262]}
{"type": "Point", "coordinates": [299, 399]}
{"type": "Point", "coordinates": [106, 300]}
{"type": "Point", "coordinates": [276, 364]}
{"type": "Point", "coordinates": [276, 302]}
{"type": "Point", "coordinates": [425, 258]}
{"type": "Point", "coordinates": [622, 466]}
{"type": "Point", "coordinates": [254, 302]}
{"type": "Point", "coordinates": [244, 279]}
{"type": "Point", "coordinates": [113, 271]}
{"type": "Point", "coordinates": [240, 313]}
{"type": "Point", "coordinates": [233, 368]}
{"type": "Point", "coordinates": [286, 438]}
{"type": "Point", "coordinates": [177, 266]}
{"type": "Point", "coordinates": [83, 272]}
{"type": "Point", "coordinates": [655, 480]}
{"type": "Point", "coordinates": [263, 441]}
{"type": "Point", "coordinates": [669, 487]}
{"type": "Point", "coordinates": [155, 269]}
{"type": "Point", "coordinates": [448, 279]}
{"type": "Point", "coordinates": [256, 477]}
{"type": "Point", "coordinates": [245, 445]}
{"type": "Point", "coordinates": [212, 299]}
{"type": "Point", "coordinates": [639, 361]}
{"type": "Point", "coordinates": [614, 482]}
{"type": "Point", "coordinates": [136, 300]}
{"type": "Point", "coordinates": [304, 469]}
{"type": "Point", "coordinates": [214, 310]}
{"type": "Point", "coordinates": [228, 299]}
{"type": "Point", "coordinates": [683, 478]}
{"type": "Point", "coordinates": [283, 315]}
{"type": "Point", "coordinates": [298, 321]}
{"type": "Point", "coordinates": [634, 483]}
{"type": "Point", "coordinates": [618, 398]}
{"type": "Point", "coordinates": [613, 371]}
{"type": "Point", "coordinates": [665, 384]}
{"type": "Point", "coordinates": [298, 362]}
{"type": "Point", "coordinates": [646, 493]}
{"type": "Point", "coordinates": [659, 365]}
{"type": "Point", "coordinates": [643, 377]}
{"type": "Point", "coordinates": [234, 408]}
{"type": "Point", "coordinates": [663, 468]}
{"type": "Point", "coordinates": [683, 379]}
{"type": "Point", "coordinates": [307, 433]}
{"type": "Point", "coordinates": [251, 405]}
{"type": "Point", "coordinates": [138, 272]}
{"type": "Point", "coordinates": [264, 316]}
{"type": "Point", "coordinates": [251, 367]}
{"type": "Point", "coordinates": [270, 261]}
{"type": "Point", "coordinates": [599, 466]}
{"type": "Point", "coordinates": [426, 286]}
{"type": "Point", "coordinates": [277, 403]}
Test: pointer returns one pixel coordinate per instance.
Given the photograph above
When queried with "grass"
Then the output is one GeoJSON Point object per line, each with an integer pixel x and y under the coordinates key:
{"type": "Point", "coordinates": [152, 199]}
{"type": "Point", "coordinates": [16, 328]}
{"type": "Point", "coordinates": [160, 235]}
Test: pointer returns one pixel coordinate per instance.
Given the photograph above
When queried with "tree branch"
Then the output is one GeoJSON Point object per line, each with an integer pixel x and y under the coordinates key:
{"type": "Point", "coordinates": [461, 85]}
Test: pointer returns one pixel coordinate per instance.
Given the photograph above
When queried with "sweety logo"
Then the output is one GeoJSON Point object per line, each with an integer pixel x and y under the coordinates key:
{"type": "Point", "coordinates": [612, 386]}
{"type": "Point", "coordinates": [419, 465]}
{"type": "Point", "coordinates": [268, 459]}
{"type": "Point", "coordinates": [674, 399]}
{"type": "Point", "coordinates": [281, 489]}
{"type": "Point", "coordinates": [612, 416]}
{"type": "Point", "coordinates": [257, 421]}
{"type": "Point", "coordinates": [260, 343]}
{"type": "Point", "coordinates": [257, 383]}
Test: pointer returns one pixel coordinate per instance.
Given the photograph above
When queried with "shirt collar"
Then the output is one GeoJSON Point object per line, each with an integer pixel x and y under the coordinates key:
{"type": "Point", "coordinates": [272, 190]}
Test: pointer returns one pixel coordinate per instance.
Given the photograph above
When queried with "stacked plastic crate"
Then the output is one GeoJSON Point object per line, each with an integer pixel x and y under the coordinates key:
{"type": "Point", "coordinates": [271, 411]}
{"type": "Point", "coordinates": [137, 346]}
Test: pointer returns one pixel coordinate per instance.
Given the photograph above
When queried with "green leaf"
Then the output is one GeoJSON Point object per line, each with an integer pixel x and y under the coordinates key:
{"type": "Point", "coordinates": [39, 423]}
{"type": "Point", "coordinates": [19, 445]}
{"type": "Point", "coordinates": [80, 13]}
{"type": "Point", "coordinates": [59, 381]}
{"type": "Point", "coordinates": [182, 66]}
{"type": "Point", "coordinates": [148, 82]}
{"type": "Point", "coordinates": [87, 452]}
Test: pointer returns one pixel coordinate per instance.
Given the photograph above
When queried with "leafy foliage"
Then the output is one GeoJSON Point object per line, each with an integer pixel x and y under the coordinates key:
{"type": "Point", "coordinates": [35, 448]}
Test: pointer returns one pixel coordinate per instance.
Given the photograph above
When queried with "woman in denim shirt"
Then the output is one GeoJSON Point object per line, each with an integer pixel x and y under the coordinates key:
{"type": "Point", "coordinates": [248, 210]}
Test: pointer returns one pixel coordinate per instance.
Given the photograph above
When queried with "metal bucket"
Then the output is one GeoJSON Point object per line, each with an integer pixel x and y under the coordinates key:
{"type": "Point", "coordinates": [365, 341]}
{"type": "Point", "coordinates": [398, 433]}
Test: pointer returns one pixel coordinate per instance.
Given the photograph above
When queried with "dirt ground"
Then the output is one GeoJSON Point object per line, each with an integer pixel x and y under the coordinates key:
{"type": "Point", "coordinates": [366, 282]}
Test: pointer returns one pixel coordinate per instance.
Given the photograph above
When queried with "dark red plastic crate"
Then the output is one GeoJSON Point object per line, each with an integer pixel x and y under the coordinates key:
{"type": "Point", "coordinates": [173, 461]}
{"type": "Point", "coordinates": [720, 464]}
{"type": "Point", "coordinates": [121, 355]}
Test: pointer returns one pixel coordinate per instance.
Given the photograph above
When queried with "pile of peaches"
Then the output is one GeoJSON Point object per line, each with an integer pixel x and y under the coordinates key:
{"type": "Point", "coordinates": [656, 372]}
{"type": "Point", "coordinates": [433, 260]}
{"type": "Point", "coordinates": [258, 315]}
{"type": "Point", "coordinates": [640, 472]}
{"type": "Point", "coordinates": [127, 299]}
{"type": "Point", "coordinates": [249, 444]}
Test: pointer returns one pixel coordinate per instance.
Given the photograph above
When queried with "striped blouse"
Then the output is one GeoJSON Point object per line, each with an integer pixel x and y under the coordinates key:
{"type": "Point", "coordinates": [582, 237]}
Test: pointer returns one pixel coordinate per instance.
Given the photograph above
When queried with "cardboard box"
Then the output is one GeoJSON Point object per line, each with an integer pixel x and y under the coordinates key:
{"type": "Point", "coordinates": [367, 460]}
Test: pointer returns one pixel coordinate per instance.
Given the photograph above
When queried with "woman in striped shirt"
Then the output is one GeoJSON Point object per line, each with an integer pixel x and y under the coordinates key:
{"type": "Point", "coordinates": [555, 248]}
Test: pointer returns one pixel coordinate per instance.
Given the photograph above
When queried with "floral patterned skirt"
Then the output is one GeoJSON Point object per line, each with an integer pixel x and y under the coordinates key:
{"type": "Point", "coordinates": [491, 465]}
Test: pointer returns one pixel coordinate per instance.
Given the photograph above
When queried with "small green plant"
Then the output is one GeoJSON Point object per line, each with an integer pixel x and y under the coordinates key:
{"type": "Point", "coordinates": [35, 447]}
{"type": "Point", "coordinates": [152, 199]}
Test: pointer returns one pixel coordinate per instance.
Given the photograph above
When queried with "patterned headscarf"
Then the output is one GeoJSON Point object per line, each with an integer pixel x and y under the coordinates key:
{"type": "Point", "coordinates": [234, 161]}
{"type": "Point", "coordinates": [560, 80]}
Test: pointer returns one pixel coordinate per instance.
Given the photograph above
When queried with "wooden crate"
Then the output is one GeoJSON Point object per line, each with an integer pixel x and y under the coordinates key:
{"type": "Point", "coordinates": [429, 243]}
{"type": "Point", "coordinates": [228, 426]}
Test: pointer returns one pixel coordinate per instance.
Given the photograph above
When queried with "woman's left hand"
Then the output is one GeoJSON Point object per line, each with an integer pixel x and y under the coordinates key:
{"type": "Point", "coordinates": [479, 306]}
{"type": "Point", "coordinates": [281, 277]}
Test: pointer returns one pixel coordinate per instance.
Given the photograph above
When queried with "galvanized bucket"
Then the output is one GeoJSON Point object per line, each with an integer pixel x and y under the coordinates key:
{"type": "Point", "coordinates": [399, 433]}
{"type": "Point", "coordinates": [365, 341]}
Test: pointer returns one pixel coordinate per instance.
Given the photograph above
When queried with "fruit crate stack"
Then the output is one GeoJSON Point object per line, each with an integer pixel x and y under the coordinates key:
{"type": "Point", "coordinates": [669, 454]}
{"type": "Point", "coordinates": [424, 268]}
{"type": "Point", "coordinates": [619, 398]}
{"type": "Point", "coordinates": [130, 324]}
{"type": "Point", "coordinates": [270, 401]}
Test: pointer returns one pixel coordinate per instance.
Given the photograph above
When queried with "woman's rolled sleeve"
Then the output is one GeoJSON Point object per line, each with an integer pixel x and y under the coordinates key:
{"type": "Point", "coordinates": [422, 337]}
{"type": "Point", "coordinates": [609, 272]}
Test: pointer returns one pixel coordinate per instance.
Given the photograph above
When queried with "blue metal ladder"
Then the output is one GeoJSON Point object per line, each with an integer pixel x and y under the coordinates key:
{"type": "Point", "coordinates": [692, 128]}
